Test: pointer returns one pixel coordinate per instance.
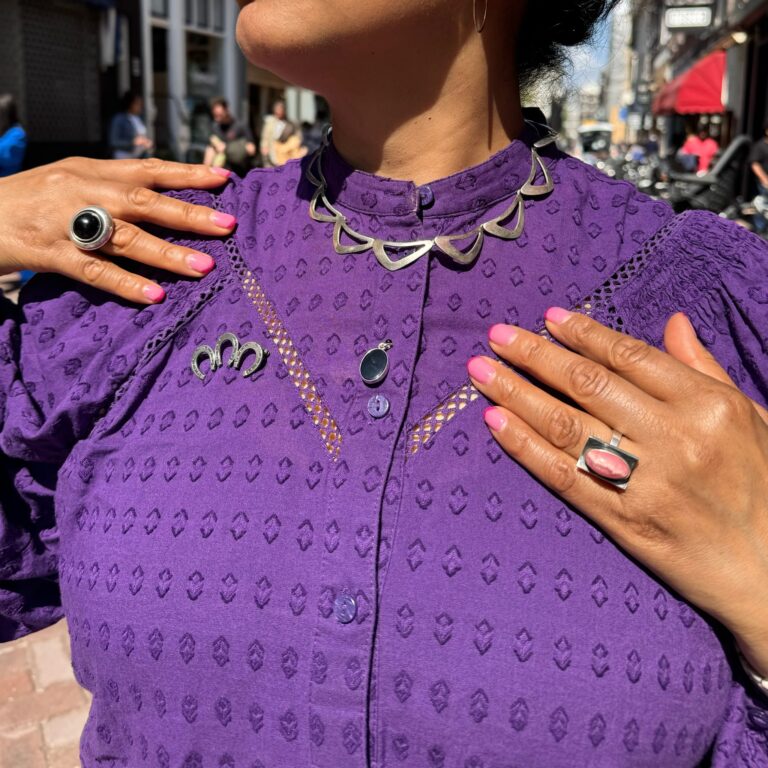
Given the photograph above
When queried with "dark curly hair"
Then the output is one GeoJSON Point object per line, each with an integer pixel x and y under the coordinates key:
{"type": "Point", "coordinates": [549, 27]}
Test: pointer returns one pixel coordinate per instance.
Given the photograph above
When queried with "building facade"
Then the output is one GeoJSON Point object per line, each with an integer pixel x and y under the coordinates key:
{"type": "Point", "coordinates": [661, 55]}
{"type": "Point", "coordinates": [69, 62]}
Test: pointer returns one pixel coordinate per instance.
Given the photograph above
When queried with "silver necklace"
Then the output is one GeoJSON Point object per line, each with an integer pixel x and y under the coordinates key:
{"type": "Point", "coordinates": [407, 252]}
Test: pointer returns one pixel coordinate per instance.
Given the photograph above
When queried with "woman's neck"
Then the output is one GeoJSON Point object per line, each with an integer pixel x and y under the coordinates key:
{"type": "Point", "coordinates": [405, 126]}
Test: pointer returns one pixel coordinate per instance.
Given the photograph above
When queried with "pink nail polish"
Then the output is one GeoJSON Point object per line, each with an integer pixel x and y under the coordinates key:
{"type": "Point", "coordinates": [480, 370]}
{"type": "Point", "coordinates": [557, 315]}
{"type": "Point", "coordinates": [223, 220]}
{"type": "Point", "coordinates": [494, 419]}
{"type": "Point", "coordinates": [221, 172]}
{"type": "Point", "coordinates": [502, 334]}
{"type": "Point", "coordinates": [200, 262]}
{"type": "Point", "coordinates": [154, 293]}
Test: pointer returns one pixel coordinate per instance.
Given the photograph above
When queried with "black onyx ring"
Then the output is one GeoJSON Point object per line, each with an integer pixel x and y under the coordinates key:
{"type": "Point", "coordinates": [91, 228]}
{"type": "Point", "coordinates": [607, 461]}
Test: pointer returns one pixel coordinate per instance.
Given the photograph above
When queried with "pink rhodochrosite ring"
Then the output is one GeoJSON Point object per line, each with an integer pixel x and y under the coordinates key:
{"type": "Point", "coordinates": [607, 461]}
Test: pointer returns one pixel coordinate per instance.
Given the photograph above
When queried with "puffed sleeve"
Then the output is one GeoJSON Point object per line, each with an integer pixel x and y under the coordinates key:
{"type": "Point", "coordinates": [717, 273]}
{"type": "Point", "coordinates": [65, 351]}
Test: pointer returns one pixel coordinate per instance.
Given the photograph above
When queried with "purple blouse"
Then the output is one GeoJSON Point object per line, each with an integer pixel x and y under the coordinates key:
{"type": "Point", "coordinates": [270, 572]}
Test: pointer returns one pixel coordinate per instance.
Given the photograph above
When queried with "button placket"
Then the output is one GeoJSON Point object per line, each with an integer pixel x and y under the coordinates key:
{"type": "Point", "coordinates": [344, 634]}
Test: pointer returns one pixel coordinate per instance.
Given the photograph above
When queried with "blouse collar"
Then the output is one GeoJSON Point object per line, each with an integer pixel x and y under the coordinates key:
{"type": "Point", "coordinates": [467, 191]}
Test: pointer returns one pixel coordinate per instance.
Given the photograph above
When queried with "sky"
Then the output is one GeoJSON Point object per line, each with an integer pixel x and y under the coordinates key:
{"type": "Point", "coordinates": [589, 60]}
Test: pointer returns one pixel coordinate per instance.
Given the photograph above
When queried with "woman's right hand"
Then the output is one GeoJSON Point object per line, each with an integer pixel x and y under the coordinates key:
{"type": "Point", "coordinates": [36, 208]}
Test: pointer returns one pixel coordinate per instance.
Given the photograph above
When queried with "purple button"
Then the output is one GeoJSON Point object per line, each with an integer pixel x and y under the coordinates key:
{"type": "Point", "coordinates": [378, 406]}
{"type": "Point", "coordinates": [345, 609]}
{"type": "Point", "coordinates": [426, 196]}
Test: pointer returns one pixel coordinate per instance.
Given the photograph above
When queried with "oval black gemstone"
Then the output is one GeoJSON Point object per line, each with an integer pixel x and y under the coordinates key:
{"type": "Point", "coordinates": [373, 367]}
{"type": "Point", "coordinates": [87, 226]}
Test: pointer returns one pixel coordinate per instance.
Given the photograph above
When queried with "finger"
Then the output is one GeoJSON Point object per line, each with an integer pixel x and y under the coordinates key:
{"type": "Point", "coordinates": [134, 243]}
{"type": "Point", "coordinates": [555, 469]}
{"type": "Point", "coordinates": [163, 174]}
{"type": "Point", "coordinates": [681, 342]}
{"type": "Point", "coordinates": [560, 424]}
{"type": "Point", "coordinates": [94, 269]}
{"type": "Point", "coordinates": [649, 369]}
{"type": "Point", "coordinates": [142, 204]}
{"type": "Point", "coordinates": [605, 395]}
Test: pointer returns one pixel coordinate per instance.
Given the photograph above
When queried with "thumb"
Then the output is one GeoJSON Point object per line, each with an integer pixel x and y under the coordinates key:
{"type": "Point", "coordinates": [681, 342]}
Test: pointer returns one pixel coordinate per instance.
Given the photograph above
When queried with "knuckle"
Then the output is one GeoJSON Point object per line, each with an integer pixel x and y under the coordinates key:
{"type": "Point", "coordinates": [528, 351]}
{"type": "Point", "coordinates": [733, 404]}
{"type": "Point", "coordinates": [626, 353]}
{"type": "Point", "coordinates": [94, 269]}
{"type": "Point", "coordinates": [151, 165]}
{"type": "Point", "coordinates": [168, 252]}
{"type": "Point", "coordinates": [508, 387]}
{"type": "Point", "coordinates": [60, 174]}
{"type": "Point", "coordinates": [189, 213]}
{"type": "Point", "coordinates": [126, 284]}
{"type": "Point", "coordinates": [581, 329]}
{"type": "Point", "coordinates": [125, 238]}
{"type": "Point", "coordinates": [564, 430]}
{"type": "Point", "coordinates": [516, 442]}
{"type": "Point", "coordinates": [587, 379]}
{"type": "Point", "coordinates": [561, 475]}
{"type": "Point", "coordinates": [141, 198]}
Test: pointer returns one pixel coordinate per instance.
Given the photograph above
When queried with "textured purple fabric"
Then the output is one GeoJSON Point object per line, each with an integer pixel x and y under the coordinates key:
{"type": "Point", "coordinates": [208, 536]}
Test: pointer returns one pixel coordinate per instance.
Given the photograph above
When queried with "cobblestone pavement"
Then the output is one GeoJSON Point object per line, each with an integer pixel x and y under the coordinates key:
{"type": "Point", "coordinates": [42, 708]}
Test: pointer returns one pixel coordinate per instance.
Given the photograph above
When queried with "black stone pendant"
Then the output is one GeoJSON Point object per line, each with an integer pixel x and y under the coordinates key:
{"type": "Point", "coordinates": [374, 366]}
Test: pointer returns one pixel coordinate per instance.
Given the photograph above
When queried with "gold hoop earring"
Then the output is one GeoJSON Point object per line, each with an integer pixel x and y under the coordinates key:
{"type": "Point", "coordinates": [479, 23]}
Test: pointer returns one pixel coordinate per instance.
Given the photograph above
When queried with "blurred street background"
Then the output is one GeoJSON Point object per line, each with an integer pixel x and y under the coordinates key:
{"type": "Point", "coordinates": [672, 97]}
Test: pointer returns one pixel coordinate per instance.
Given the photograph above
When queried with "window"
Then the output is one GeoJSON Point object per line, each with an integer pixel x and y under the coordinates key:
{"type": "Point", "coordinates": [218, 15]}
{"type": "Point", "coordinates": [203, 17]}
{"type": "Point", "coordinates": [160, 8]}
{"type": "Point", "coordinates": [189, 11]}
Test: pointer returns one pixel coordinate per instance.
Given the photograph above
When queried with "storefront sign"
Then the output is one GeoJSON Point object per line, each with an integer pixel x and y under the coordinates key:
{"type": "Point", "coordinates": [695, 17]}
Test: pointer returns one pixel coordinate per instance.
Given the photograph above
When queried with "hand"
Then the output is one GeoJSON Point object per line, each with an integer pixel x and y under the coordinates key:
{"type": "Point", "coordinates": [218, 144]}
{"type": "Point", "coordinates": [36, 208]}
{"type": "Point", "coordinates": [696, 508]}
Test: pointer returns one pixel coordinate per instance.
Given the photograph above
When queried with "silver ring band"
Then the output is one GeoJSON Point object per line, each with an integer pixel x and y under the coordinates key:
{"type": "Point", "coordinates": [91, 228]}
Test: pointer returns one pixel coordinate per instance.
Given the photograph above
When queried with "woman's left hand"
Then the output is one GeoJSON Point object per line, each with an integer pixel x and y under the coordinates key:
{"type": "Point", "coordinates": [696, 508]}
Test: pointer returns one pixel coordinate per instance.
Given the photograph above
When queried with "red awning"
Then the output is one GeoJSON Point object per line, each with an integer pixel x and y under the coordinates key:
{"type": "Point", "coordinates": [699, 91]}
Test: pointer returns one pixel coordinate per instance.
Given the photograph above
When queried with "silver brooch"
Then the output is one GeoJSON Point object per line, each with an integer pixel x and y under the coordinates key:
{"type": "Point", "coordinates": [239, 351]}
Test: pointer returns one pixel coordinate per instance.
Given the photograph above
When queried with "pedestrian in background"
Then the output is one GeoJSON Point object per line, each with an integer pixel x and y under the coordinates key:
{"type": "Point", "coordinates": [128, 134]}
{"type": "Point", "coordinates": [271, 132]}
{"type": "Point", "coordinates": [13, 138]}
{"type": "Point", "coordinates": [231, 144]}
{"type": "Point", "coordinates": [703, 147]}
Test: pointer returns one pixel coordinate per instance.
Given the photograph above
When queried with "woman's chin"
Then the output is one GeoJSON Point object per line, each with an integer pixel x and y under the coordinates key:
{"type": "Point", "coordinates": [275, 41]}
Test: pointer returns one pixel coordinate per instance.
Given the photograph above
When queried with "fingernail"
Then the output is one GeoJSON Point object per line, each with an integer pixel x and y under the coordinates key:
{"type": "Point", "coordinates": [221, 172]}
{"type": "Point", "coordinates": [557, 315]}
{"type": "Point", "coordinates": [200, 262]}
{"type": "Point", "coordinates": [154, 292]}
{"type": "Point", "coordinates": [494, 419]}
{"type": "Point", "coordinates": [223, 220]}
{"type": "Point", "coordinates": [502, 334]}
{"type": "Point", "coordinates": [688, 320]}
{"type": "Point", "coordinates": [480, 370]}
